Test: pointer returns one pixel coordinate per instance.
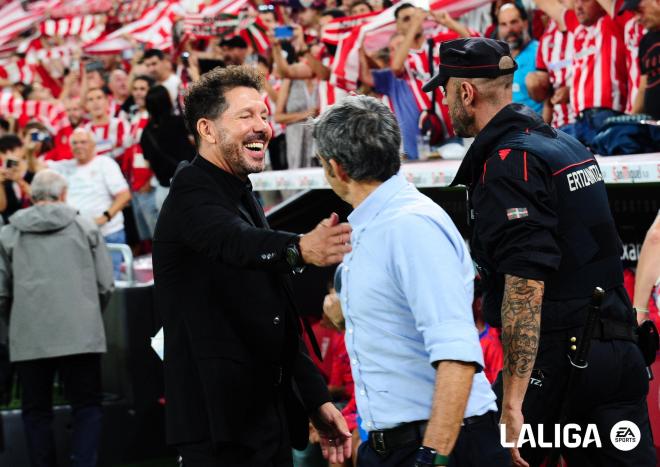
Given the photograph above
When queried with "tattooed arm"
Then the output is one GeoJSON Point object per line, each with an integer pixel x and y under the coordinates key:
{"type": "Point", "coordinates": [521, 325]}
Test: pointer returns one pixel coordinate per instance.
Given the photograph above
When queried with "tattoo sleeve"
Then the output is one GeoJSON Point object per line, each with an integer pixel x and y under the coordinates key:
{"type": "Point", "coordinates": [521, 325]}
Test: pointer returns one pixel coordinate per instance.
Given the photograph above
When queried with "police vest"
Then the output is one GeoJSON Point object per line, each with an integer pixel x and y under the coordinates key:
{"type": "Point", "coordinates": [587, 236]}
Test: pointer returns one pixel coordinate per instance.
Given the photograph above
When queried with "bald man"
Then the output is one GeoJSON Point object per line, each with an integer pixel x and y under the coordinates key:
{"type": "Point", "coordinates": [97, 188]}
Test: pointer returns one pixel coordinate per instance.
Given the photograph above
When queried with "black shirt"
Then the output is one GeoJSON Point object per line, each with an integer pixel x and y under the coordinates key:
{"type": "Point", "coordinates": [649, 63]}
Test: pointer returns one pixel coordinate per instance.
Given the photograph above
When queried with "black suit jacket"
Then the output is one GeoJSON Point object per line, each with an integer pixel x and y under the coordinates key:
{"type": "Point", "coordinates": [223, 290]}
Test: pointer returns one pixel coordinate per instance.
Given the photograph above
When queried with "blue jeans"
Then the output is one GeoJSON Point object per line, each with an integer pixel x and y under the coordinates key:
{"type": "Point", "coordinates": [588, 124]}
{"type": "Point", "coordinates": [117, 237]}
{"type": "Point", "coordinates": [145, 212]}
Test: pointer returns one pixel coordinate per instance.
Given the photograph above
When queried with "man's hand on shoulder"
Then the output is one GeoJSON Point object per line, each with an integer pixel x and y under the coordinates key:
{"type": "Point", "coordinates": [336, 440]}
{"type": "Point", "coordinates": [327, 243]}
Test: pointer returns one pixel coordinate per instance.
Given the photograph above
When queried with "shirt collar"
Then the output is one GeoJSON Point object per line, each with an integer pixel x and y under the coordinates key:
{"type": "Point", "coordinates": [376, 201]}
{"type": "Point", "coordinates": [234, 185]}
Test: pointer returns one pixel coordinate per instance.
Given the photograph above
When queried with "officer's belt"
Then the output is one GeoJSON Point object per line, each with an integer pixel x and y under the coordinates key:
{"type": "Point", "coordinates": [608, 329]}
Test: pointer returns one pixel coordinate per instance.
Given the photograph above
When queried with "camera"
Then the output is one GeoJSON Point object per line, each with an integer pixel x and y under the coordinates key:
{"type": "Point", "coordinates": [9, 163]}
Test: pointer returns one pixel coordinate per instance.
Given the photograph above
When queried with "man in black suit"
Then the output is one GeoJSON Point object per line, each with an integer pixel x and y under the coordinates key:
{"type": "Point", "coordinates": [239, 384]}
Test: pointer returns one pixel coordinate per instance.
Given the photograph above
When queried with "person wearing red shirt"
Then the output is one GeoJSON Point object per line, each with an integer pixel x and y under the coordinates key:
{"type": "Point", "coordinates": [62, 147]}
{"type": "Point", "coordinates": [599, 87]}
{"type": "Point", "coordinates": [136, 168]}
{"type": "Point", "coordinates": [110, 133]}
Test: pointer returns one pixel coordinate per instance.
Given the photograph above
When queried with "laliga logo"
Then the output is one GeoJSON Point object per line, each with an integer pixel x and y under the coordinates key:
{"type": "Point", "coordinates": [569, 436]}
{"type": "Point", "coordinates": [625, 436]}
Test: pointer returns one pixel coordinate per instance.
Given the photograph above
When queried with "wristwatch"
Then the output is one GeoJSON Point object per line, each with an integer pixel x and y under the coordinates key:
{"type": "Point", "coordinates": [107, 215]}
{"type": "Point", "coordinates": [294, 257]}
{"type": "Point", "coordinates": [429, 457]}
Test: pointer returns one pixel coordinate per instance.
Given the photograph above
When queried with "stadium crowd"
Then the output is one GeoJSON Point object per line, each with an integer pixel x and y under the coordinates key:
{"type": "Point", "coordinates": [589, 67]}
{"type": "Point", "coordinates": [94, 91]}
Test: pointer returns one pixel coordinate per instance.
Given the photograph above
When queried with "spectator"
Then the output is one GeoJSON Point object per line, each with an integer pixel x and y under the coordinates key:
{"type": "Point", "coordinates": [160, 69]}
{"type": "Point", "coordinates": [165, 141]}
{"type": "Point", "coordinates": [37, 141]}
{"type": "Point", "coordinates": [410, 61]}
{"type": "Point", "coordinates": [75, 112]}
{"type": "Point", "coordinates": [55, 322]}
{"type": "Point", "coordinates": [400, 95]}
{"type": "Point", "coordinates": [97, 189]}
{"type": "Point", "coordinates": [599, 74]}
{"type": "Point", "coordinates": [648, 100]}
{"type": "Point", "coordinates": [513, 28]}
{"type": "Point", "coordinates": [296, 106]}
{"type": "Point", "coordinates": [550, 83]}
{"type": "Point", "coordinates": [136, 168]}
{"type": "Point", "coordinates": [118, 86]}
{"type": "Point", "coordinates": [360, 7]}
{"type": "Point", "coordinates": [235, 50]}
{"type": "Point", "coordinates": [15, 176]}
{"type": "Point", "coordinates": [110, 133]}
{"type": "Point", "coordinates": [267, 15]}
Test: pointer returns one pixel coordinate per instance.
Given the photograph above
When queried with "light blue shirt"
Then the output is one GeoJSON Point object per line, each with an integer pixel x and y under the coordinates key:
{"type": "Point", "coordinates": [526, 61]}
{"type": "Point", "coordinates": [406, 293]}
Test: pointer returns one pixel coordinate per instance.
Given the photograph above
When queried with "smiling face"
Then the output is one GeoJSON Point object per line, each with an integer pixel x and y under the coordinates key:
{"type": "Point", "coordinates": [139, 90]}
{"type": "Point", "coordinates": [242, 132]}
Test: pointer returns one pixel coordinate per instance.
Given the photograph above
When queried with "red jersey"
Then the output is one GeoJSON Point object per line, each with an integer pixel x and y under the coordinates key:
{"type": "Point", "coordinates": [328, 339]}
{"type": "Point", "coordinates": [329, 94]}
{"type": "Point", "coordinates": [341, 375]}
{"type": "Point", "coordinates": [493, 353]}
{"type": "Point", "coordinates": [111, 139]}
{"type": "Point", "coordinates": [600, 77]}
{"type": "Point", "coordinates": [134, 166]}
{"type": "Point", "coordinates": [61, 145]}
{"type": "Point", "coordinates": [554, 56]}
{"type": "Point", "coordinates": [633, 31]}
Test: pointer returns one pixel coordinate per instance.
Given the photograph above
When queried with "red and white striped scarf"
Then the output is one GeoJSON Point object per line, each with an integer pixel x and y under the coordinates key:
{"type": "Point", "coordinates": [50, 114]}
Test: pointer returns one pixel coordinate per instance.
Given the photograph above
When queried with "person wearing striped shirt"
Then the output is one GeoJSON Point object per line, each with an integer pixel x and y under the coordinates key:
{"type": "Point", "coordinates": [599, 87]}
{"type": "Point", "coordinates": [110, 133]}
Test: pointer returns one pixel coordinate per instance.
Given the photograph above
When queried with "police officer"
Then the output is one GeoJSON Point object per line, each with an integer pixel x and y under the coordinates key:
{"type": "Point", "coordinates": [544, 238]}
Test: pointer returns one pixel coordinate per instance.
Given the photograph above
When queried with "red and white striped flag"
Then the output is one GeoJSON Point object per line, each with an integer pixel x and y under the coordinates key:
{"type": "Point", "coordinates": [153, 29]}
{"type": "Point", "coordinates": [14, 20]}
{"type": "Point", "coordinates": [254, 32]}
{"type": "Point", "coordinates": [87, 28]}
{"type": "Point", "coordinates": [339, 28]}
{"type": "Point", "coordinates": [51, 115]}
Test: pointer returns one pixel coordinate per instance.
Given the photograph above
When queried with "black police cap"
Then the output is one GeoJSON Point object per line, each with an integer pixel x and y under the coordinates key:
{"type": "Point", "coordinates": [475, 57]}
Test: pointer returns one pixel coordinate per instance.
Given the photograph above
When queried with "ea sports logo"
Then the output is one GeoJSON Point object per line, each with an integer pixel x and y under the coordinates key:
{"type": "Point", "coordinates": [625, 435]}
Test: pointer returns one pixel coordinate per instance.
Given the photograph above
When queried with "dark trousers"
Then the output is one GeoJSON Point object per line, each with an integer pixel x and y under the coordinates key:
{"type": "Point", "coordinates": [611, 389]}
{"type": "Point", "coordinates": [478, 445]}
{"type": "Point", "coordinates": [81, 377]}
{"type": "Point", "coordinates": [274, 446]}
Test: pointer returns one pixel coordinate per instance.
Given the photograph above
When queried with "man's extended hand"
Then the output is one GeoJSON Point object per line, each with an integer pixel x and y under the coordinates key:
{"type": "Point", "coordinates": [513, 421]}
{"type": "Point", "coordinates": [327, 243]}
{"type": "Point", "coordinates": [336, 440]}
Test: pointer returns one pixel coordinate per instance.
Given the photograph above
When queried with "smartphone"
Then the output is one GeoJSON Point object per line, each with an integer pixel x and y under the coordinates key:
{"type": "Point", "coordinates": [185, 59]}
{"type": "Point", "coordinates": [283, 32]}
{"type": "Point", "coordinates": [9, 163]}
{"type": "Point", "coordinates": [94, 66]}
{"type": "Point", "coordinates": [127, 54]}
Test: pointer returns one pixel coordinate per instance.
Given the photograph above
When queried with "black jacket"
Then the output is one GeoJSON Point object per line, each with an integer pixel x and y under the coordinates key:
{"type": "Point", "coordinates": [541, 212]}
{"type": "Point", "coordinates": [223, 290]}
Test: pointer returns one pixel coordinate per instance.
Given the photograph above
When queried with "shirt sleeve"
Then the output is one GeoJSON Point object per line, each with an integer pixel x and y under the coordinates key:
{"type": "Point", "coordinates": [540, 61]}
{"type": "Point", "coordinates": [434, 270]}
{"type": "Point", "coordinates": [113, 177]}
{"type": "Point", "coordinates": [383, 80]}
{"type": "Point", "coordinates": [516, 215]}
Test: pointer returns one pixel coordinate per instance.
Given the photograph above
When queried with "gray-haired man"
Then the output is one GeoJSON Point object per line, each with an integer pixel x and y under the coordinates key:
{"type": "Point", "coordinates": [406, 294]}
{"type": "Point", "coordinates": [55, 276]}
